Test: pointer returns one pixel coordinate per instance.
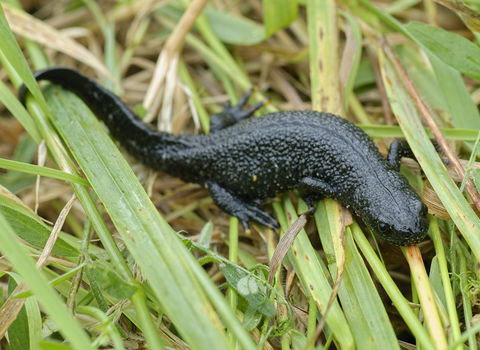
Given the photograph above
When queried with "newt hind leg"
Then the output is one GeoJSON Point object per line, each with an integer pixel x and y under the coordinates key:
{"type": "Point", "coordinates": [241, 208]}
{"type": "Point", "coordinates": [231, 115]}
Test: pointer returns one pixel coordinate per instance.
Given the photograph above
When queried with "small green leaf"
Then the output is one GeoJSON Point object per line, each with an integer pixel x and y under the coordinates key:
{"type": "Point", "coordinates": [49, 327]}
{"type": "Point", "coordinates": [249, 288]}
{"type": "Point", "coordinates": [365, 75]}
{"type": "Point", "coordinates": [277, 14]}
{"type": "Point", "coordinates": [247, 259]}
{"type": "Point", "coordinates": [228, 28]}
{"type": "Point", "coordinates": [299, 341]}
{"type": "Point", "coordinates": [34, 231]}
{"type": "Point", "coordinates": [252, 318]}
{"type": "Point", "coordinates": [234, 29]}
{"type": "Point", "coordinates": [205, 235]}
{"type": "Point", "coordinates": [110, 281]}
{"type": "Point", "coordinates": [454, 50]}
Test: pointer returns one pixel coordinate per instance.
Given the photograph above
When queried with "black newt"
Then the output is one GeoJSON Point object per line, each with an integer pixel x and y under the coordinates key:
{"type": "Point", "coordinates": [246, 160]}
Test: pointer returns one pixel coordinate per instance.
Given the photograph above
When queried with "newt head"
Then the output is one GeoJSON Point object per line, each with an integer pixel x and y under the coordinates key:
{"type": "Point", "coordinates": [407, 229]}
{"type": "Point", "coordinates": [398, 215]}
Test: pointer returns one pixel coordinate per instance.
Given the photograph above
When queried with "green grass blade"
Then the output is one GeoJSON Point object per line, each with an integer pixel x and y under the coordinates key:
{"type": "Point", "coordinates": [51, 302]}
{"type": "Point", "coordinates": [354, 31]}
{"type": "Point", "coordinates": [453, 49]}
{"type": "Point", "coordinates": [42, 171]}
{"type": "Point", "coordinates": [463, 111]}
{"type": "Point", "coordinates": [163, 258]}
{"type": "Point", "coordinates": [443, 276]}
{"type": "Point", "coordinates": [24, 153]}
{"type": "Point", "coordinates": [34, 323]}
{"type": "Point", "coordinates": [15, 58]}
{"type": "Point", "coordinates": [396, 131]}
{"type": "Point", "coordinates": [361, 303]}
{"type": "Point", "coordinates": [28, 333]}
{"type": "Point", "coordinates": [29, 226]}
{"type": "Point", "coordinates": [313, 278]}
{"type": "Point", "coordinates": [392, 290]}
{"type": "Point", "coordinates": [324, 60]}
{"type": "Point", "coordinates": [61, 157]}
{"type": "Point", "coordinates": [15, 107]}
{"type": "Point", "coordinates": [18, 335]}
{"type": "Point", "coordinates": [46, 35]}
{"type": "Point", "coordinates": [409, 120]}
{"type": "Point", "coordinates": [56, 281]}
{"type": "Point", "coordinates": [423, 77]}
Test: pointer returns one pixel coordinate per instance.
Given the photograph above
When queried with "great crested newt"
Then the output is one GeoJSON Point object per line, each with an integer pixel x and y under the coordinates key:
{"type": "Point", "coordinates": [245, 160]}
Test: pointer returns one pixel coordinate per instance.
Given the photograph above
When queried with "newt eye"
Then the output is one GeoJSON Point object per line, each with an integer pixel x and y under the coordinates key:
{"type": "Point", "coordinates": [382, 227]}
